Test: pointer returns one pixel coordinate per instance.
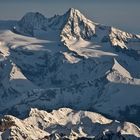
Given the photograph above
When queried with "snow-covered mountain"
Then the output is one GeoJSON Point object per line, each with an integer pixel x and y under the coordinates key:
{"type": "Point", "coordinates": [69, 61]}
{"type": "Point", "coordinates": [66, 124]}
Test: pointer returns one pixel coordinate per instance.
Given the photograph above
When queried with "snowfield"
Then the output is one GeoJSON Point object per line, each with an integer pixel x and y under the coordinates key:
{"type": "Point", "coordinates": [68, 61]}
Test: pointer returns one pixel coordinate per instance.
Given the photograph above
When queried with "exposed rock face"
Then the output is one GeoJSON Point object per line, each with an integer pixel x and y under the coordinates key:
{"type": "Point", "coordinates": [67, 124]}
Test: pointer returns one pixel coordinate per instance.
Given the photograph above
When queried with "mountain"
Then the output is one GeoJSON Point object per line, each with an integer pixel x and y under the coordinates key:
{"type": "Point", "coordinates": [73, 26]}
{"type": "Point", "coordinates": [68, 124]}
{"type": "Point", "coordinates": [69, 61]}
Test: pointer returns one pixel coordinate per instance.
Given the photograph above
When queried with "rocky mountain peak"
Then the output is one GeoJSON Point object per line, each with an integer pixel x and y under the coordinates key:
{"type": "Point", "coordinates": [74, 12]}
{"type": "Point", "coordinates": [30, 22]}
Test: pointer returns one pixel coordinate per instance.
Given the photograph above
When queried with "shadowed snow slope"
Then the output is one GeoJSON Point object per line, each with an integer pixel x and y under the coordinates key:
{"type": "Point", "coordinates": [69, 61]}
{"type": "Point", "coordinates": [66, 123]}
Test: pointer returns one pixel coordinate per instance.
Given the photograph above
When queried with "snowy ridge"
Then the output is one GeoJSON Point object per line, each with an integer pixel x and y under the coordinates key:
{"type": "Point", "coordinates": [66, 123]}
{"type": "Point", "coordinates": [118, 67]}
{"type": "Point", "coordinates": [121, 38]}
{"type": "Point", "coordinates": [117, 72]}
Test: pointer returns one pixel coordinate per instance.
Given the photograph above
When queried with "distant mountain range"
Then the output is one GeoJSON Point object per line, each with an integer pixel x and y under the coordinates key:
{"type": "Point", "coordinates": [68, 61]}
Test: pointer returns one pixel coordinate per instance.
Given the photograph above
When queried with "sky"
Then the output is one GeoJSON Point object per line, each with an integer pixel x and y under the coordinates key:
{"type": "Point", "coordinates": [123, 14]}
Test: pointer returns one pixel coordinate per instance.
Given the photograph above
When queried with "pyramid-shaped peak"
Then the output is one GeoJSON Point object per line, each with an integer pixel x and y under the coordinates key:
{"type": "Point", "coordinates": [74, 12]}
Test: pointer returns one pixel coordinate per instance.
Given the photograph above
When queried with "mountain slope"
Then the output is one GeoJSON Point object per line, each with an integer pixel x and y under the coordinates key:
{"type": "Point", "coordinates": [69, 61]}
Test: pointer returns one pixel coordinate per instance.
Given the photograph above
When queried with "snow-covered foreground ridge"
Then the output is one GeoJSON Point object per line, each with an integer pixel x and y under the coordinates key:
{"type": "Point", "coordinates": [66, 123]}
{"type": "Point", "coordinates": [69, 61]}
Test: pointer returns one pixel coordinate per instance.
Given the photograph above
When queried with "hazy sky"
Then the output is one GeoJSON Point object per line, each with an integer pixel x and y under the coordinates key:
{"type": "Point", "coordinates": [124, 14]}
